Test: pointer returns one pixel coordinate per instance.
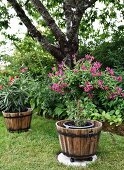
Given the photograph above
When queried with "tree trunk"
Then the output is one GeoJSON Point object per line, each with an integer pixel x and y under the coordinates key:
{"type": "Point", "coordinates": [71, 52]}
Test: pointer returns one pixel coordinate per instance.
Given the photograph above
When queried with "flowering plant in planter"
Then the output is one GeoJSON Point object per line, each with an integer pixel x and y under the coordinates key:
{"type": "Point", "coordinates": [87, 89]}
{"type": "Point", "coordinates": [14, 93]}
{"type": "Point", "coordinates": [14, 103]}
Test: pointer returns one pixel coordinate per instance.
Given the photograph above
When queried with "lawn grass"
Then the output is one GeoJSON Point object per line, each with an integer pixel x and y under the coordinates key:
{"type": "Point", "coordinates": [37, 149]}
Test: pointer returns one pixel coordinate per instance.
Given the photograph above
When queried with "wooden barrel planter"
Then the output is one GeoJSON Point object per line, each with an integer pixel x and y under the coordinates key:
{"type": "Point", "coordinates": [18, 122]}
{"type": "Point", "coordinates": [79, 143]}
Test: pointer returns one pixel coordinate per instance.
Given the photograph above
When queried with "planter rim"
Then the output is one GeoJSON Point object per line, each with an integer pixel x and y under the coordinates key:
{"type": "Point", "coordinates": [78, 127]}
{"type": "Point", "coordinates": [10, 114]}
{"type": "Point", "coordinates": [29, 110]}
{"type": "Point", "coordinates": [94, 127]}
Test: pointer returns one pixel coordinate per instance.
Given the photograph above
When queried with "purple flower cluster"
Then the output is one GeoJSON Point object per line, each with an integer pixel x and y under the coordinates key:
{"type": "Point", "coordinates": [110, 71]}
{"type": "Point", "coordinates": [59, 87]}
{"type": "Point", "coordinates": [88, 87]}
{"type": "Point", "coordinates": [118, 92]}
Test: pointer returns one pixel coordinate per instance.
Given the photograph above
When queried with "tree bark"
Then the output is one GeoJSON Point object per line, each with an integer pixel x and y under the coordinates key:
{"type": "Point", "coordinates": [74, 10]}
{"type": "Point", "coordinates": [59, 35]}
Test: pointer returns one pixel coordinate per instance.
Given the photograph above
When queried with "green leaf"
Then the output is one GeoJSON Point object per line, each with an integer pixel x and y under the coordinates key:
{"type": "Point", "coordinates": [117, 112]}
{"type": "Point", "coordinates": [58, 111]}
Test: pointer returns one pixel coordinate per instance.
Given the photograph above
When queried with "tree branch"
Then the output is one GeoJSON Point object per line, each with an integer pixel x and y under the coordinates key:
{"type": "Point", "coordinates": [27, 1]}
{"type": "Point", "coordinates": [74, 10]}
{"type": "Point", "coordinates": [59, 35]}
{"type": "Point", "coordinates": [34, 32]}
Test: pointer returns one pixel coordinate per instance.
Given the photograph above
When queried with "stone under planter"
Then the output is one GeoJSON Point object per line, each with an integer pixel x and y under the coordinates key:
{"type": "Point", "coordinates": [66, 161]}
{"type": "Point", "coordinates": [79, 143]}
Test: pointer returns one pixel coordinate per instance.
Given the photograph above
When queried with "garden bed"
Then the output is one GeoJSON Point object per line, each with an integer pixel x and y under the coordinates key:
{"type": "Point", "coordinates": [113, 128]}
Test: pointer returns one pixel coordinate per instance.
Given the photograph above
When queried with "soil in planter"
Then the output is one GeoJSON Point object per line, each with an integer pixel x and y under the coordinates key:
{"type": "Point", "coordinates": [113, 128]}
{"type": "Point", "coordinates": [73, 125]}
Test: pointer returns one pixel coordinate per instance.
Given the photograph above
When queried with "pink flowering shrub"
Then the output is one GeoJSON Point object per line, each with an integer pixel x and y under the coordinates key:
{"type": "Point", "coordinates": [87, 80]}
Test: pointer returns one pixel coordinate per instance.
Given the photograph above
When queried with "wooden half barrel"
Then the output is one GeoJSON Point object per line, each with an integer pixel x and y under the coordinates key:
{"type": "Point", "coordinates": [79, 143]}
{"type": "Point", "coordinates": [18, 122]}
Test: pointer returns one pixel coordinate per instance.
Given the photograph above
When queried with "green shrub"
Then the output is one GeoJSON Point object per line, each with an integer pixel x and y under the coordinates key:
{"type": "Point", "coordinates": [44, 101]}
{"type": "Point", "coordinates": [111, 54]}
{"type": "Point", "coordinates": [29, 54]}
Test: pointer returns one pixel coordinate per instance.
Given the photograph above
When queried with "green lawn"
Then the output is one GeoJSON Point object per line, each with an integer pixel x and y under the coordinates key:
{"type": "Point", "coordinates": [37, 149]}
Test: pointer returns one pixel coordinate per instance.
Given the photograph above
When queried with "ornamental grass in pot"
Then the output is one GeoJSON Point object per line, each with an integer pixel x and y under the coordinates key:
{"type": "Point", "coordinates": [14, 93]}
{"type": "Point", "coordinates": [86, 89]}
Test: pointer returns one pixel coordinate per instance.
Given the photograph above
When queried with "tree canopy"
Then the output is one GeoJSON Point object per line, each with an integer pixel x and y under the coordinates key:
{"type": "Point", "coordinates": [66, 23]}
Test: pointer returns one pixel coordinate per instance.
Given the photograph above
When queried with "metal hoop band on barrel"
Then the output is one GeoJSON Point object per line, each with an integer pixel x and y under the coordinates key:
{"type": "Point", "coordinates": [89, 135]}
